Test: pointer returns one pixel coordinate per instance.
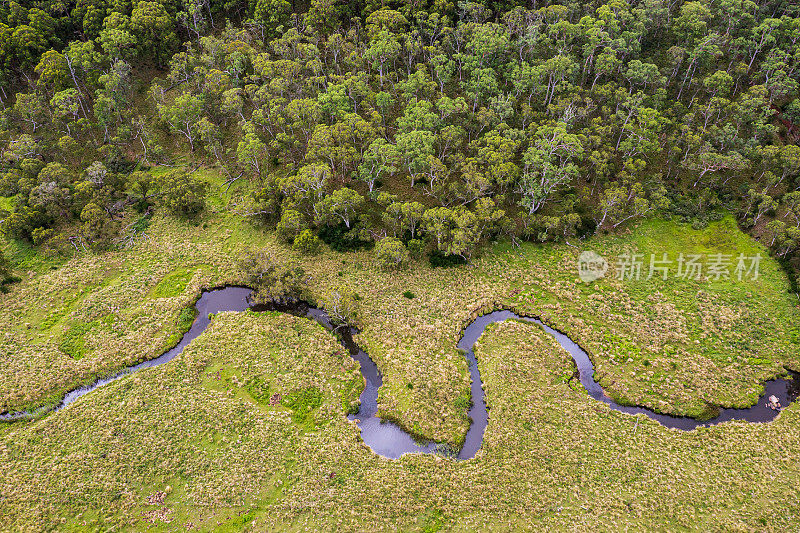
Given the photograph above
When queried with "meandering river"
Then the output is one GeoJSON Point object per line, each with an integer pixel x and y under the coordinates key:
{"type": "Point", "coordinates": [388, 439]}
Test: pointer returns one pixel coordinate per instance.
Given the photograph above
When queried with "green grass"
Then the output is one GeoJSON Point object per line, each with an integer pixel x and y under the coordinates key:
{"type": "Point", "coordinates": [73, 341]}
{"type": "Point", "coordinates": [258, 388]}
{"type": "Point", "coordinates": [173, 284]}
{"type": "Point", "coordinates": [303, 402]}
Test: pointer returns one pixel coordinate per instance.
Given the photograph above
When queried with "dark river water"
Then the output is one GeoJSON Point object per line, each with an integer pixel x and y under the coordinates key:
{"type": "Point", "coordinates": [386, 438]}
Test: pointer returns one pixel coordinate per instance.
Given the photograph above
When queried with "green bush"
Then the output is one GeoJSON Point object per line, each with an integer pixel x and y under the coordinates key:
{"type": "Point", "coordinates": [291, 225]}
{"type": "Point", "coordinates": [181, 193]}
{"type": "Point", "coordinates": [392, 253]}
{"type": "Point", "coordinates": [307, 243]}
{"type": "Point", "coordinates": [416, 248]}
{"type": "Point", "coordinates": [342, 239]}
{"type": "Point", "coordinates": [439, 259]}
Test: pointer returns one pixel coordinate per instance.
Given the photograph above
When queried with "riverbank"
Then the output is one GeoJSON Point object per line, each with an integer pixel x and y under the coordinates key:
{"type": "Point", "coordinates": [200, 443]}
{"type": "Point", "coordinates": [675, 346]}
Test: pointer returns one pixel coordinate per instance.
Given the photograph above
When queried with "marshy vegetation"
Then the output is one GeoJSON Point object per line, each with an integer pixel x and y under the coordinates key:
{"type": "Point", "coordinates": [409, 166]}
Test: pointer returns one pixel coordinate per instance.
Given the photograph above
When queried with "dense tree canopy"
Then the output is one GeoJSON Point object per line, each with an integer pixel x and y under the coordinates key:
{"type": "Point", "coordinates": [439, 123]}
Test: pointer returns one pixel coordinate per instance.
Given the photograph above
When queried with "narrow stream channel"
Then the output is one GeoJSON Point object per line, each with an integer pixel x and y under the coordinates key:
{"type": "Point", "coordinates": [386, 438]}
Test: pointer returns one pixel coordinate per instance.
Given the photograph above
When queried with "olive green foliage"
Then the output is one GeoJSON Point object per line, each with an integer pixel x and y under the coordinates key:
{"type": "Point", "coordinates": [273, 279]}
{"type": "Point", "coordinates": [291, 225]}
{"type": "Point", "coordinates": [186, 318]}
{"type": "Point", "coordinates": [391, 253]}
{"type": "Point", "coordinates": [341, 305]}
{"type": "Point", "coordinates": [307, 243]}
{"type": "Point", "coordinates": [182, 194]}
{"type": "Point", "coordinates": [500, 121]}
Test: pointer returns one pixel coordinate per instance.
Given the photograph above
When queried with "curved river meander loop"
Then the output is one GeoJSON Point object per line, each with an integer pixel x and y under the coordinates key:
{"type": "Point", "coordinates": [388, 439]}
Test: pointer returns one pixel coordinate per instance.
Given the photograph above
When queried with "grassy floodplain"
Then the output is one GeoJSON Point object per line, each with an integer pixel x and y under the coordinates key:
{"type": "Point", "coordinates": [201, 431]}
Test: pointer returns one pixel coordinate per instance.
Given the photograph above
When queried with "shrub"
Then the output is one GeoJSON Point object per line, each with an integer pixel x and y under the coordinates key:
{"type": "Point", "coordinates": [182, 194]}
{"type": "Point", "coordinates": [341, 239]}
{"type": "Point", "coordinates": [307, 243]}
{"type": "Point", "coordinates": [291, 225]}
{"type": "Point", "coordinates": [409, 295]}
{"type": "Point", "coordinates": [392, 253]}
{"type": "Point", "coordinates": [439, 259]}
{"type": "Point", "coordinates": [416, 247]}
{"type": "Point", "coordinates": [271, 279]}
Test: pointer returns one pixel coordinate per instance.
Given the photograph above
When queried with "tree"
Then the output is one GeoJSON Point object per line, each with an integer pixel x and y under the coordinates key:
{"type": "Point", "coordinates": [465, 234]}
{"type": "Point", "coordinates": [52, 71]}
{"type": "Point", "coordinates": [26, 44]}
{"type": "Point", "coordinates": [785, 239]}
{"type": "Point", "coordinates": [154, 30]}
{"type": "Point", "coordinates": [307, 186]}
{"type": "Point", "coordinates": [550, 162]}
{"type": "Point", "coordinates": [709, 160]}
{"type": "Point", "coordinates": [415, 148]}
{"type": "Point", "coordinates": [624, 201]}
{"type": "Point", "coordinates": [66, 105]}
{"type": "Point", "coordinates": [182, 194]}
{"type": "Point", "coordinates": [141, 183]}
{"type": "Point", "coordinates": [437, 222]}
{"type": "Point", "coordinates": [211, 139]}
{"type": "Point", "coordinates": [306, 243]}
{"type": "Point", "coordinates": [341, 306]}
{"type": "Point", "coordinates": [51, 198]}
{"type": "Point", "coordinates": [643, 74]}
{"type": "Point", "coordinates": [323, 16]}
{"type": "Point", "coordinates": [790, 161]}
{"type": "Point", "coordinates": [116, 38]}
{"type": "Point", "coordinates": [383, 48]}
{"type": "Point", "coordinates": [291, 225]}
{"type": "Point", "coordinates": [343, 204]}
{"type": "Point", "coordinates": [97, 174]}
{"type": "Point", "coordinates": [391, 253]}
{"type": "Point", "coordinates": [250, 151]}
{"type": "Point", "coordinates": [404, 216]}
{"type": "Point", "coordinates": [273, 279]}
{"type": "Point", "coordinates": [31, 109]}
{"type": "Point", "coordinates": [98, 227]}
{"type": "Point", "coordinates": [380, 161]}
{"type": "Point", "coordinates": [272, 14]}
{"type": "Point", "coordinates": [183, 114]}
